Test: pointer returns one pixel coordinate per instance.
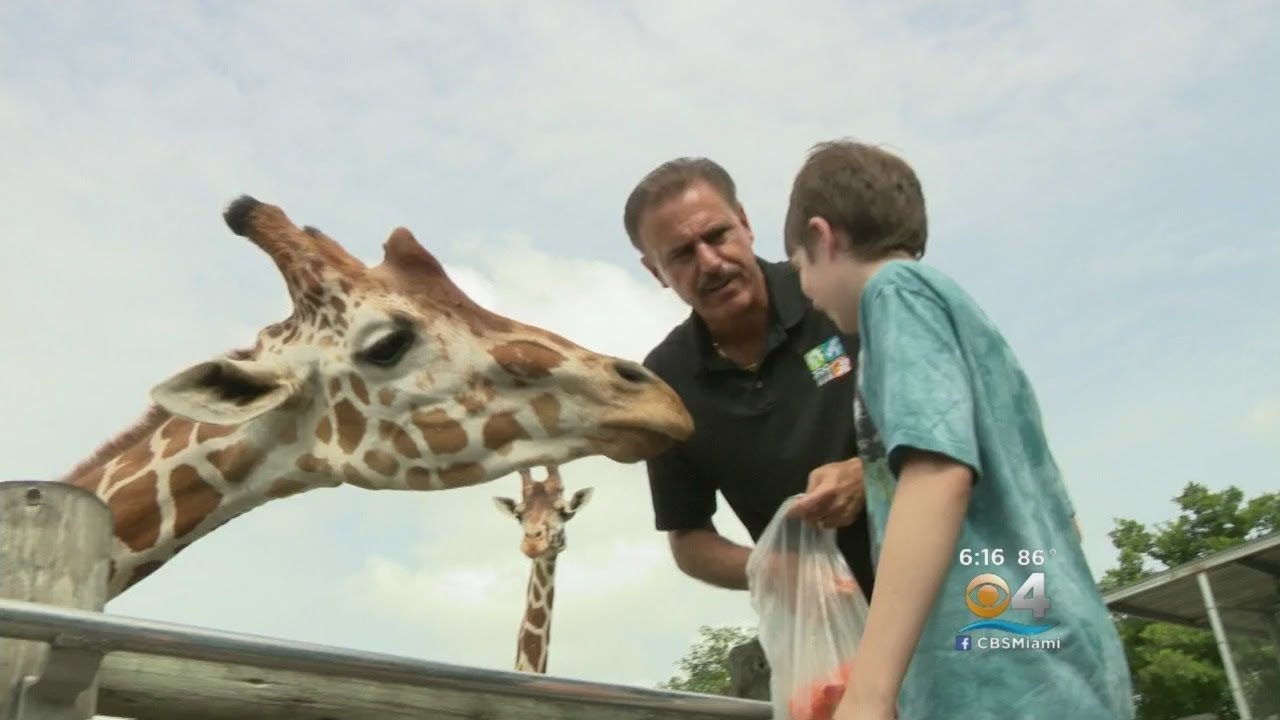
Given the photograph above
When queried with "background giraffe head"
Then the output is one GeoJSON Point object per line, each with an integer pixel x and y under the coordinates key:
{"type": "Point", "coordinates": [391, 377]}
{"type": "Point", "coordinates": [543, 512]}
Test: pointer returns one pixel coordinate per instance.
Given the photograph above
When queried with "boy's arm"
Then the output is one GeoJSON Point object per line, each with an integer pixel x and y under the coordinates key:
{"type": "Point", "coordinates": [918, 392]}
{"type": "Point", "coordinates": [919, 544]}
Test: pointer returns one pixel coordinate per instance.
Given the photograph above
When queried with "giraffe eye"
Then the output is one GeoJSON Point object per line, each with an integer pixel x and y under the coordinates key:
{"type": "Point", "coordinates": [389, 350]}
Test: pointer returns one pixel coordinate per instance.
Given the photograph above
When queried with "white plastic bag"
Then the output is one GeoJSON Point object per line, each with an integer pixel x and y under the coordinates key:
{"type": "Point", "coordinates": [811, 613]}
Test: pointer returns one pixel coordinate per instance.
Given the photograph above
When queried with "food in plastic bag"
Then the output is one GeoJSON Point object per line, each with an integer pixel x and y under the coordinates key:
{"type": "Point", "coordinates": [811, 615]}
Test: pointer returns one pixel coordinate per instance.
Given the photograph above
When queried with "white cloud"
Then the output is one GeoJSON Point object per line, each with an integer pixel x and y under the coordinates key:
{"type": "Point", "coordinates": [1096, 173]}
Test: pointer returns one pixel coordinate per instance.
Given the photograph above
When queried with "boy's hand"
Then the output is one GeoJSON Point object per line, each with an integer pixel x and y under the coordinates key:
{"type": "Point", "coordinates": [851, 711]}
{"type": "Point", "coordinates": [858, 705]}
{"type": "Point", "coordinates": [834, 497]}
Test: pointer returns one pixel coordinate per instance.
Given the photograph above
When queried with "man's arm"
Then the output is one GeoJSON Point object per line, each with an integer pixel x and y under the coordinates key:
{"type": "Point", "coordinates": [704, 554]}
{"type": "Point", "coordinates": [683, 503]}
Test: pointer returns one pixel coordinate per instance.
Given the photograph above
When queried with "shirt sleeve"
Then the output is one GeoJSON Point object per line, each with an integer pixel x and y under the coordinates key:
{"type": "Point", "coordinates": [682, 499]}
{"type": "Point", "coordinates": [916, 382]}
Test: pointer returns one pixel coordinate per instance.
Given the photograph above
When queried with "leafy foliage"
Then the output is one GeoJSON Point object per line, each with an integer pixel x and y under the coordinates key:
{"type": "Point", "coordinates": [1176, 669]}
{"type": "Point", "coordinates": [705, 666]}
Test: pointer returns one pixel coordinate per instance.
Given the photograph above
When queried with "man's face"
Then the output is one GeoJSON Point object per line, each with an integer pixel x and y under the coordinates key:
{"type": "Point", "coordinates": [699, 246]}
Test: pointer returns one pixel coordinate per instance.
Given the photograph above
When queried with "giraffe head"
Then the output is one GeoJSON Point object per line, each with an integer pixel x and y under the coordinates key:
{"type": "Point", "coordinates": [390, 377]}
{"type": "Point", "coordinates": [543, 512]}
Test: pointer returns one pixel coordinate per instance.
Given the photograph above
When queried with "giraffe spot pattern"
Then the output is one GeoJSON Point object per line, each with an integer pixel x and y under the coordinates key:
{"type": "Point", "coordinates": [206, 432]}
{"type": "Point", "coordinates": [193, 499]}
{"type": "Point", "coordinates": [547, 409]}
{"type": "Point", "coordinates": [381, 462]}
{"type": "Point", "coordinates": [311, 464]}
{"type": "Point", "coordinates": [132, 462]}
{"type": "Point", "coordinates": [461, 474]}
{"type": "Point", "coordinates": [443, 434]}
{"type": "Point", "coordinates": [358, 387]}
{"type": "Point", "coordinates": [236, 461]}
{"type": "Point", "coordinates": [400, 440]}
{"type": "Point", "coordinates": [526, 359]}
{"type": "Point", "coordinates": [502, 429]}
{"type": "Point", "coordinates": [93, 479]}
{"type": "Point", "coordinates": [351, 425]}
{"type": "Point", "coordinates": [386, 396]}
{"type": "Point", "coordinates": [353, 476]}
{"type": "Point", "coordinates": [324, 430]}
{"type": "Point", "coordinates": [176, 435]}
{"type": "Point", "coordinates": [419, 478]}
{"type": "Point", "coordinates": [142, 571]}
{"type": "Point", "coordinates": [135, 508]}
{"type": "Point", "coordinates": [536, 615]}
{"type": "Point", "coordinates": [284, 487]}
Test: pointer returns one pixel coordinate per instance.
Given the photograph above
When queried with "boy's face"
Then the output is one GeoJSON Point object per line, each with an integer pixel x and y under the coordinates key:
{"type": "Point", "coordinates": [825, 279]}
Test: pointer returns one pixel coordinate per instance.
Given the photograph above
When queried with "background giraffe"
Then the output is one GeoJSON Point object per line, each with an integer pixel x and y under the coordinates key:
{"type": "Point", "coordinates": [542, 512]}
{"type": "Point", "coordinates": [385, 377]}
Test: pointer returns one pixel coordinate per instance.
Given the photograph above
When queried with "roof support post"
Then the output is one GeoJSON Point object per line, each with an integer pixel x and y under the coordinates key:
{"type": "Point", "coordinates": [1224, 649]}
{"type": "Point", "coordinates": [1274, 626]}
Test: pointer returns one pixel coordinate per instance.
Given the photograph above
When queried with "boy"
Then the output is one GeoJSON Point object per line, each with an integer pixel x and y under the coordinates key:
{"type": "Point", "coordinates": [984, 605]}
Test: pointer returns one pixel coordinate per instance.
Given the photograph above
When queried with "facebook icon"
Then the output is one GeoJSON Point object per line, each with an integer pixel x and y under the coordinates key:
{"type": "Point", "coordinates": [963, 642]}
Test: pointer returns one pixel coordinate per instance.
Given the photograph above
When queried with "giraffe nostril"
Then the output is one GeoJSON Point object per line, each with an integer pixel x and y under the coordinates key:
{"type": "Point", "coordinates": [632, 372]}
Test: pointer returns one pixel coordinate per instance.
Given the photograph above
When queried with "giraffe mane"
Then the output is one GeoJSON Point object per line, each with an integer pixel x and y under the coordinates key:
{"type": "Point", "coordinates": [146, 425]}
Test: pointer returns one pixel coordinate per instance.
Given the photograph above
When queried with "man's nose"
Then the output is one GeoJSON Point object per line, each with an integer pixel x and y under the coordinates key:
{"type": "Point", "coordinates": [708, 258]}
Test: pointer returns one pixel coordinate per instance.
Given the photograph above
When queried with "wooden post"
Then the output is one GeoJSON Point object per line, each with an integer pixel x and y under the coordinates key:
{"type": "Point", "coordinates": [749, 672]}
{"type": "Point", "coordinates": [55, 548]}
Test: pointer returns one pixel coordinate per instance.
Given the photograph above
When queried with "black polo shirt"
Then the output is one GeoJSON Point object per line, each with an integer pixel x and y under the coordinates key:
{"type": "Point", "coordinates": [759, 434]}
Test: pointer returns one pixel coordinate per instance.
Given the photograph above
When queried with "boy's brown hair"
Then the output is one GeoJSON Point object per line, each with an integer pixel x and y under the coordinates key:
{"type": "Point", "coordinates": [870, 195]}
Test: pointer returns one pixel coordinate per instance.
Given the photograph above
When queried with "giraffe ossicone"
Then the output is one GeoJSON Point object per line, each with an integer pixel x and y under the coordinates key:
{"type": "Point", "coordinates": [542, 512]}
{"type": "Point", "coordinates": [386, 377]}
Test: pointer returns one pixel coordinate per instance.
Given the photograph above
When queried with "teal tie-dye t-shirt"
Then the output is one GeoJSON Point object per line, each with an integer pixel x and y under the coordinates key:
{"type": "Point", "coordinates": [1033, 638]}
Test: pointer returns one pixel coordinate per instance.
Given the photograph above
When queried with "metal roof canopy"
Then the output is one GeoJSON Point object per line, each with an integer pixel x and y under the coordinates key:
{"type": "Point", "coordinates": [1232, 592]}
{"type": "Point", "coordinates": [1245, 582]}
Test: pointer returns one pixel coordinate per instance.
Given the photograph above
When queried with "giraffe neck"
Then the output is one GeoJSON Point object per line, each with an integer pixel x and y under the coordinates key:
{"type": "Point", "coordinates": [169, 481]}
{"type": "Point", "coordinates": [534, 640]}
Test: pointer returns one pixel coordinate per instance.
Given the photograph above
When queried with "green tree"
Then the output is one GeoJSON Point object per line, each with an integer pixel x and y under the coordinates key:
{"type": "Point", "coordinates": [1177, 669]}
{"type": "Point", "coordinates": [705, 666]}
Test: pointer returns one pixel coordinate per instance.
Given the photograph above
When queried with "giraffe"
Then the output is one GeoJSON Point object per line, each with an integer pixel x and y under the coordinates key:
{"type": "Point", "coordinates": [384, 378]}
{"type": "Point", "coordinates": [542, 512]}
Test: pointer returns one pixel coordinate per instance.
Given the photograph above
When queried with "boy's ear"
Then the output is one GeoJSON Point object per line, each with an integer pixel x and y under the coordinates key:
{"type": "Point", "coordinates": [825, 242]}
{"type": "Point", "coordinates": [225, 391]}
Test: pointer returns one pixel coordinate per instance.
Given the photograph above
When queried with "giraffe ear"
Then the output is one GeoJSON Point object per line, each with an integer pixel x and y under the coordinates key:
{"type": "Point", "coordinates": [579, 499]}
{"type": "Point", "coordinates": [224, 391]}
{"type": "Point", "coordinates": [506, 506]}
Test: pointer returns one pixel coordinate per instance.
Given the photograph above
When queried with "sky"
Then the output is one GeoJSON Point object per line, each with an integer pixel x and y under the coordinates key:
{"type": "Point", "coordinates": [1101, 177]}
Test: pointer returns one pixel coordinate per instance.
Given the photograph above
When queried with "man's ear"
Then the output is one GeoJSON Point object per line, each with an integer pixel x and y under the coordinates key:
{"type": "Point", "coordinates": [579, 499]}
{"type": "Point", "coordinates": [742, 218]}
{"type": "Point", "coordinates": [225, 391]}
{"type": "Point", "coordinates": [506, 506]}
{"type": "Point", "coordinates": [653, 270]}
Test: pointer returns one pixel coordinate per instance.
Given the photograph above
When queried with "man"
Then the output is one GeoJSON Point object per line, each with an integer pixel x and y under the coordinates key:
{"type": "Point", "coordinates": [766, 377]}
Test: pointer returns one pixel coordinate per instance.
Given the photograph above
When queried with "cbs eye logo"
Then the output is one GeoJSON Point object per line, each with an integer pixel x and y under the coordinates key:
{"type": "Point", "coordinates": [988, 597]}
